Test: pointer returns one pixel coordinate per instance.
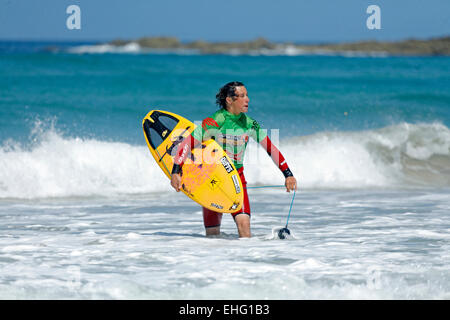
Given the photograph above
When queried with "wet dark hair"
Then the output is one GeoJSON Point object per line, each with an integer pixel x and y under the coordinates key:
{"type": "Point", "coordinates": [228, 90]}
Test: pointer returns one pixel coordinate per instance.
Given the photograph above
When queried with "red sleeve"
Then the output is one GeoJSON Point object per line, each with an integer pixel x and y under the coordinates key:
{"type": "Point", "coordinates": [274, 153]}
{"type": "Point", "coordinates": [208, 123]}
{"type": "Point", "coordinates": [184, 149]}
{"type": "Point", "coordinates": [186, 146]}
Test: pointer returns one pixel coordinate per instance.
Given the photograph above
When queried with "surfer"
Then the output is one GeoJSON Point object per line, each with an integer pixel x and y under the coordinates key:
{"type": "Point", "coordinates": [231, 127]}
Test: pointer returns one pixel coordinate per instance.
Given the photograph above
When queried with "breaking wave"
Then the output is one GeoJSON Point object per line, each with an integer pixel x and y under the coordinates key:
{"type": "Point", "coordinates": [399, 156]}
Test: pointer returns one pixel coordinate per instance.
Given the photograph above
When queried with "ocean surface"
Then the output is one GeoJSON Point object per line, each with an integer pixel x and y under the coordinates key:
{"type": "Point", "coordinates": [85, 213]}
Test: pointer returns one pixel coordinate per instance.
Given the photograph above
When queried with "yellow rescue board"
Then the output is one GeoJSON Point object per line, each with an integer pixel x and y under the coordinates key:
{"type": "Point", "coordinates": [208, 175]}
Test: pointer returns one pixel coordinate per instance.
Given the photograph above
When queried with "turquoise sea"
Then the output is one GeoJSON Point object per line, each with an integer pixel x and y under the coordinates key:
{"type": "Point", "coordinates": [86, 213]}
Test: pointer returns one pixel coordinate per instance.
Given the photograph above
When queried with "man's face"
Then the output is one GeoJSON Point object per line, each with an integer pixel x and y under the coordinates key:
{"type": "Point", "coordinates": [238, 103]}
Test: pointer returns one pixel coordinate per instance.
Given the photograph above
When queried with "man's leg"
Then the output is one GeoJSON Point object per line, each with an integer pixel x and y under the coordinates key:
{"type": "Point", "coordinates": [212, 231]}
{"type": "Point", "coordinates": [243, 224]}
{"type": "Point", "coordinates": [212, 221]}
{"type": "Point", "coordinates": [242, 217]}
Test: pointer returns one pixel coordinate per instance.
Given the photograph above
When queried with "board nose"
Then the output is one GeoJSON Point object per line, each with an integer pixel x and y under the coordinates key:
{"type": "Point", "coordinates": [155, 130]}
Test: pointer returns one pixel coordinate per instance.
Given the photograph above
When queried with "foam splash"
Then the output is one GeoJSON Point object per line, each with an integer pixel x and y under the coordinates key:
{"type": "Point", "coordinates": [285, 236]}
{"type": "Point", "coordinates": [63, 167]}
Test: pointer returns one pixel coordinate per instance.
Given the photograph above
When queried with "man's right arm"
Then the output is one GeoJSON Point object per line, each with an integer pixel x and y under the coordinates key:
{"type": "Point", "coordinates": [183, 151]}
{"type": "Point", "coordinates": [186, 146]}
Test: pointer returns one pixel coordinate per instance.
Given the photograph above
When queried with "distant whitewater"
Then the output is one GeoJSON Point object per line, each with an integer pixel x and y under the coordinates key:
{"type": "Point", "coordinates": [129, 48]}
{"type": "Point", "coordinates": [261, 46]}
{"type": "Point", "coordinates": [278, 50]}
{"type": "Point", "coordinates": [400, 156]}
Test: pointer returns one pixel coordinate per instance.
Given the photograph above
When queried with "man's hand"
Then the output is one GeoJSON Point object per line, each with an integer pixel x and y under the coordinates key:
{"type": "Point", "coordinates": [175, 182]}
{"type": "Point", "coordinates": [291, 184]}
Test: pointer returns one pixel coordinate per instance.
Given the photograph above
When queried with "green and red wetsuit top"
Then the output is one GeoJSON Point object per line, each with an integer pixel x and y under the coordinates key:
{"type": "Point", "coordinates": [232, 132]}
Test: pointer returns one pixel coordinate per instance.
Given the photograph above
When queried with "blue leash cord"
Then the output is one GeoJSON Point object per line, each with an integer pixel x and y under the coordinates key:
{"type": "Point", "coordinates": [292, 202]}
{"type": "Point", "coordinates": [278, 186]}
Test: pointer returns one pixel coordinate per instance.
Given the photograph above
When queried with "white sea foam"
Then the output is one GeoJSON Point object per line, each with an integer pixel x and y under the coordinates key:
{"type": "Point", "coordinates": [398, 156]}
{"type": "Point", "coordinates": [389, 245]}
